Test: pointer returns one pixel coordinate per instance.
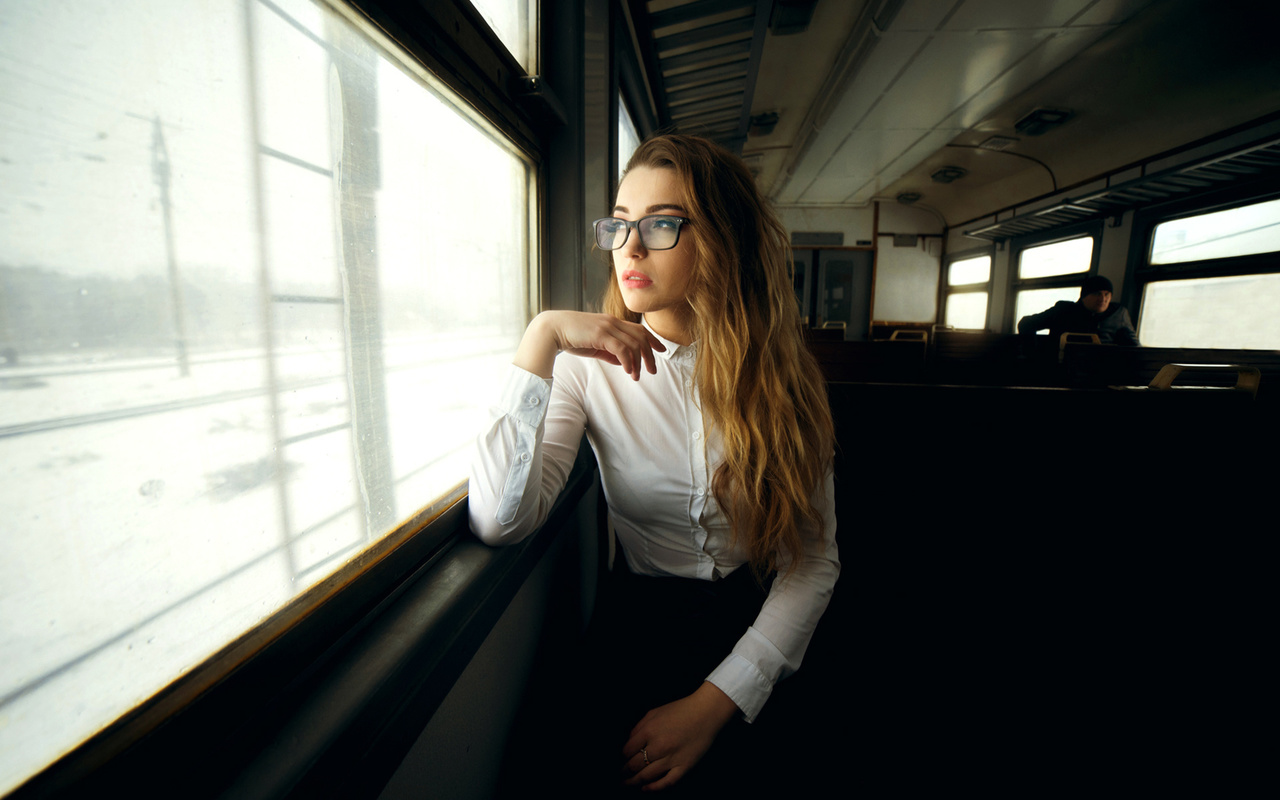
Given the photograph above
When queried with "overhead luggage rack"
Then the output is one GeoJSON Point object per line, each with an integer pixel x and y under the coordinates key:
{"type": "Point", "coordinates": [1251, 162]}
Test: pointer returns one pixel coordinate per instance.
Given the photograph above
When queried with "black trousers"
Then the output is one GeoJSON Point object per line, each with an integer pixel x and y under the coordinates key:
{"type": "Point", "coordinates": [653, 641]}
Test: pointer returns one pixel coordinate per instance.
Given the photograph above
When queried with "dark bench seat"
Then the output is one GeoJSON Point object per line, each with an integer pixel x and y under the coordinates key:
{"type": "Point", "coordinates": [993, 360]}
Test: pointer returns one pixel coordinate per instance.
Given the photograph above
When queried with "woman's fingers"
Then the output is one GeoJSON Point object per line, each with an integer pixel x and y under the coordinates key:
{"type": "Point", "coordinates": [669, 779]}
{"type": "Point", "coordinates": [677, 735]}
{"type": "Point", "coordinates": [626, 344]}
{"type": "Point", "coordinates": [636, 772]}
{"type": "Point", "coordinates": [587, 352]}
{"type": "Point", "coordinates": [632, 348]}
{"type": "Point", "coordinates": [636, 764]}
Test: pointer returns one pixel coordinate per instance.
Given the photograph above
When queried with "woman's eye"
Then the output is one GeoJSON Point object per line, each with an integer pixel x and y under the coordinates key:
{"type": "Point", "coordinates": [664, 224]}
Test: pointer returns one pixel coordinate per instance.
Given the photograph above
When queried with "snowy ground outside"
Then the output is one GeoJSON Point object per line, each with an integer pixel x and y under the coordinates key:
{"type": "Point", "coordinates": [143, 525]}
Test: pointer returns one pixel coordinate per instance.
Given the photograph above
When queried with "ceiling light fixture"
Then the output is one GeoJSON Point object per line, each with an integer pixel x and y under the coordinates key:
{"type": "Point", "coordinates": [763, 124]}
{"type": "Point", "coordinates": [998, 143]}
{"type": "Point", "coordinates": [1042, 120]}
{"type": "Point", "coordinates": [949, 174]}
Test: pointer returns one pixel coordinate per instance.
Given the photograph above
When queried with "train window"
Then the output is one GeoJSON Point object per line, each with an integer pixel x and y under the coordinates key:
{"type": "Point", "coordinates": [1182, 304]}
{"type": "Point", "coordinates": [969, 271]}
{"type": "Point", "coordinates": [1242, 231]}
{"type": "Point", "coordinates": [968, 287]}
{"type": "Point", "coordinates": [628, 138]}
{"type": "Point", "coordinates": [257, 271]}
{"type": "Point", "coordinates": [1050, 271]}
{"type": "Point", "coordinates": [967, 310]}
{"type": "Point", "coordinates": [1033, 301]}
{"type": "Point", "coordinates": [1190, 312]}
{"type": "Point", "coordinates": [1056, 258]}
{"type": "Point", "coordinates": [516, 23]}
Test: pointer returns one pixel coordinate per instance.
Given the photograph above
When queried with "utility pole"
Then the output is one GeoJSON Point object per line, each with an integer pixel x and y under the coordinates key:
{"type": "Point", "coordinates": [161, 173]}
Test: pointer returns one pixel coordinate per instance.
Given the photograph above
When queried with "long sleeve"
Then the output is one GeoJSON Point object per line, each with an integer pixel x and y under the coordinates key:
{"type": "Point", "coordinates": [1124, 333]}
{"type": "Point", "coordinates": [656, 465]}
{"type": "Point", "coordinates": [522, 458]}
{"type": "Point", "coordinates": [772, 648]}
{"type": "Point", "coordinates": [1028, 325]}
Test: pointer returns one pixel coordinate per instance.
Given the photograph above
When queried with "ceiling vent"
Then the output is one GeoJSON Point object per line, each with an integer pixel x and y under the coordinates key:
{"type": "Point", "coordinates": [999, 143]}
{"type": "Point", "coordinates": [949, 174]}
{"type": "Point", "coordinates": [1258, 161]}
{"type": "Point", "coordinates": [1042, 120]}
{"type": "Point", "coordinates": [907, 198]}
{"type": "Point", "coordinates": [763, 124]}
{"type": "Point", "coordinates": [791, 16]}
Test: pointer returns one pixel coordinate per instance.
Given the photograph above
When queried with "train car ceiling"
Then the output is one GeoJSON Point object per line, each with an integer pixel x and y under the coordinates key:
{"type": "Point", "coordinates": [873, 98]}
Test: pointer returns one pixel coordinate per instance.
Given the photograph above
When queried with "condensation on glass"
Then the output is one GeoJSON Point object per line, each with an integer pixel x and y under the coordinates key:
{"type": "Point", "coordinates": [258, 280]}
{"type": "Point", "coordinates": [1243, 231]}
{"type": "Point", "coordinates": [1056, 258]}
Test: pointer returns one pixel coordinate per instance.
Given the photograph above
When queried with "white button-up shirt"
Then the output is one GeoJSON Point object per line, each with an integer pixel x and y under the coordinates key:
{"type": "Point", "coordinates": [656, 462]}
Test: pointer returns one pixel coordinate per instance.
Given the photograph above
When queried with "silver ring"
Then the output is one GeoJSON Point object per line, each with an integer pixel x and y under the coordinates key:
{"type": "Point", "coordinates": [645, 752]}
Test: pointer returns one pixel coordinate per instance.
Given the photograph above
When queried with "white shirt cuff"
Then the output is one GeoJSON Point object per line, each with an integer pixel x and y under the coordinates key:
{"type": "Point", "coordinates": [745, 685]}
{"type": "Point", "coordinates": [524, 396]}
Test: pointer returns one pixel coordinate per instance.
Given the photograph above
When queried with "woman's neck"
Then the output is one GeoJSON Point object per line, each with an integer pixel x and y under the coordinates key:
{"type": "Point", "coordinates": [671, 325]}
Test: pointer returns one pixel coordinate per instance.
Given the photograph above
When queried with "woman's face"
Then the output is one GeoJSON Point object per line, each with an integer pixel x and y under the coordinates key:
{"type": "Point", "coordinates": [654, 282]}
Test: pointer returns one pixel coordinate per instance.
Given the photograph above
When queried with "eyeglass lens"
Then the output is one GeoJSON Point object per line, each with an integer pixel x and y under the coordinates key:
{"type": "Point", "coordinates": [657, 232]}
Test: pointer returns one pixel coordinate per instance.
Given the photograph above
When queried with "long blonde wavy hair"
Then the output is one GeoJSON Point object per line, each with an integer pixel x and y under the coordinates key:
{"type": "Point", "coordinates": [759, 385]}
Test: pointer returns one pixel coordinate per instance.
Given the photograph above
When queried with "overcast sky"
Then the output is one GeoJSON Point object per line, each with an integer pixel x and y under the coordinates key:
{"type": "Point", "coordinates": [81, 82]}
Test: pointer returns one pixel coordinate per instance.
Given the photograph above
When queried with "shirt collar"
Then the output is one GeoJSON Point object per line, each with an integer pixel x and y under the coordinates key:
{"type": "Point", "coordinates": [672, 348]}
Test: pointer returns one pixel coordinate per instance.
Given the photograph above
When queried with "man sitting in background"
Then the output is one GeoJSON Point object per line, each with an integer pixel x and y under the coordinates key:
{"type": "Point", "coordinates": [1092, 313]}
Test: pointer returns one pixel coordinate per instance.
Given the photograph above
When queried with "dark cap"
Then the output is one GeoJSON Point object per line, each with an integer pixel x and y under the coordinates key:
{"type": "Point", "coordinates": [1095, 283]}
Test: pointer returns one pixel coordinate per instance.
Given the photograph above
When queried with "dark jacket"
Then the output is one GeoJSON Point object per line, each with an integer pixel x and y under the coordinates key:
{"type": "Point", "coordinates": [1113, 326]}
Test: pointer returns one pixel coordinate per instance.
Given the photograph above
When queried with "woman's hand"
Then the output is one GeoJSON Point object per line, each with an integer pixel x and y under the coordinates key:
{"type": "Point", "coordinates": [626, 344]}
{"type": "Point", "coordinates": [674, 738]}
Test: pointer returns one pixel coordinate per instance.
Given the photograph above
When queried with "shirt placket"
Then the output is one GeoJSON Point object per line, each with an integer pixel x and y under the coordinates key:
{"type": "Point", "coordinates": [699, 480]}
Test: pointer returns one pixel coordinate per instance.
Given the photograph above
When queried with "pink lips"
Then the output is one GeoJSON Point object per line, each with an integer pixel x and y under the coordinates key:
{"type": "Point", "coordinates": [635, 280]}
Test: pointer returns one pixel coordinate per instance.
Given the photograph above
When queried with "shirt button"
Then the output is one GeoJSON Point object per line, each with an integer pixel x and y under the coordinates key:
{"type": "Point", "coordinates": [688, 383]}
{"type": "Point", "coordinates": [697, 435]}
{"type": "Point", "coordinates": [533, 401]}
{"type": "Point", "coordinates": [524, 456]}
{"type": "Point", "coordinates": [701, 491]}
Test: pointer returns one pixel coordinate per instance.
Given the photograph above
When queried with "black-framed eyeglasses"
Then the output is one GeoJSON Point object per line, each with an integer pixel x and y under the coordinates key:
{"type": "Point", "coordinates": [657, 231]}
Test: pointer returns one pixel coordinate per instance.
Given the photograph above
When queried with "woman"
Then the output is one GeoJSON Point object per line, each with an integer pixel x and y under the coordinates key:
{"type": "Point", "coordinates": [710, 424]}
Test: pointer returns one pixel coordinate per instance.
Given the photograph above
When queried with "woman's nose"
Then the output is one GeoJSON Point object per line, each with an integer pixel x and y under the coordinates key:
{"type": "Point", "coordinates": [633, 246]}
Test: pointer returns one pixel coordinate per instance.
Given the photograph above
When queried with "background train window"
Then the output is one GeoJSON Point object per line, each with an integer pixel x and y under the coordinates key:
{"type": "Point", "coordinates": [257, 277]}
{"type": "Point", "coordinates": [1050, 271]}
{"type": "Point", "coordinates": [516, 24]}
{"type": "Point", "coordinates": [1235, 311]}
{"type": "Point", "coordinates": [1222, 234]}
{"type": "Point", "coordinates": [628, 138]}
{"type": "Point", "coordinates": [968, 287]}
{"type": "Point", "coordinates": [1033, 301]}
{"type": "Point", "coordinates": [1056, 258]}
{"type": "Point", "coordinates": [1200, 309]}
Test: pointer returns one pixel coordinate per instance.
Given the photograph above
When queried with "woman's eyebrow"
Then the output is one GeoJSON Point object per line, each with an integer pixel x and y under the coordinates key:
{"type": "Point", "coordinates": [655, 209]}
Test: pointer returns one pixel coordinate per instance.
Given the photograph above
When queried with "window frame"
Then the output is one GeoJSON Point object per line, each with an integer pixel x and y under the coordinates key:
{"type": "Point", "coordinates": [627, 89]}
{"type": "Point", "coordinates": [196, 731]}
{"type": "Point", "coordinates": [1017, 245]}
{"type": "Point", "coordinates": [1146, 220]}
{"type": "Point", "coordinates": [1143, 240]}
{"type": "Point", "coordinates": [947, 289]}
